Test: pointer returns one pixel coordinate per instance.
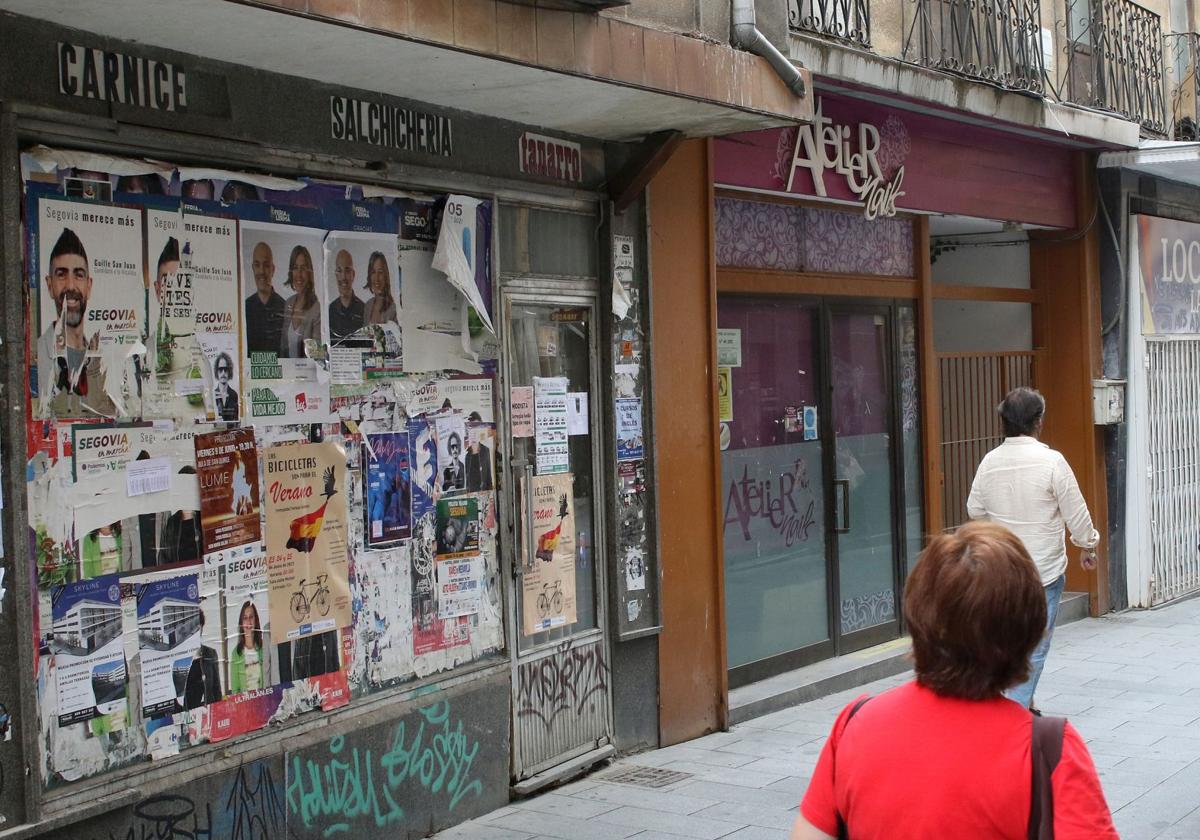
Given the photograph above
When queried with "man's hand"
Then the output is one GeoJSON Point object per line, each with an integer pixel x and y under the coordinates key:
{"type": "Point", "coordinates": [1088, 559]}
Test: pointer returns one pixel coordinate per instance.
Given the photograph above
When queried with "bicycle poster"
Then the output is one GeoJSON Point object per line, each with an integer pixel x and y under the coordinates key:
{"type": "Point", "coordinates": [305, 506]}
{"type": "Point", "coordinates": [227, 467]}
{"type": "Point", "coordinates": [548, 578]}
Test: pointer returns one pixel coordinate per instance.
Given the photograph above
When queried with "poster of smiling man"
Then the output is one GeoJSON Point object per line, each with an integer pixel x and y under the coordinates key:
{"type": "Point", "coordinates": [91, 307]}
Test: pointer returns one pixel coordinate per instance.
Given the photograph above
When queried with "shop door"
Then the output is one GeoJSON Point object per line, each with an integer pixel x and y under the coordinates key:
{"type": "Point", "coordinates": [561, 692]}
{"type": "Point", "coordinates": [809, 475]}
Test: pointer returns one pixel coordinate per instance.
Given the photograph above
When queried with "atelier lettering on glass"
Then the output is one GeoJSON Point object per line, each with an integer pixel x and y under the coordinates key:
{"type": "Point", "coordinates": [376, 124]}
{"type": "Point", "coordinates": [110, 76]}
{"type": "Point", "coordinates": [550, 158]}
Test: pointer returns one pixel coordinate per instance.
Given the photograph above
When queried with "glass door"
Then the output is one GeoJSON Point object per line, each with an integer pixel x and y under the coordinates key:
{"type": "Point", "coordinates": [558, 591]}
{"type": "Point", "coordinates": [864, 475]}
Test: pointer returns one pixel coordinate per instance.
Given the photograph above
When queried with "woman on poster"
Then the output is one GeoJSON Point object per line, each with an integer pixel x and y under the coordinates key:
{"type": "Point", "coordinates": [381, 308]}
{"type": "Point", "coordinates": [301, 312]}
{"type": "Point", "coordinates": [246, 667]}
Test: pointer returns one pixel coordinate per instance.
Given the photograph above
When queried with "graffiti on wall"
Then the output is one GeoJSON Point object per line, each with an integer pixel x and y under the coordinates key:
{"type": "Point", "coordinates": [569, 680]}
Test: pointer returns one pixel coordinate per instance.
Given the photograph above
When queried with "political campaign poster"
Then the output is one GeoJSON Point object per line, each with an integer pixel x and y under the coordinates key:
{"type": "Point", "coordinates": [457, 527]}
{"type": "Point", "coordinates": [305, 505]}
{"type": "Point", "coordinates": [283, 315]}
{"type": "Point", "coordinates": [388, 488]}
{"type": "Point", "coordinates": [472, 395]}
{"type": "Point", "coordinates": [548, 581]}
{"type": "Point", "coordinates": [91, 307]}
{"type": "Point", "coordinates": [249, 653]}
{"type": "Point", "coordinates": [89, 654]}
{"type": "Point", "coordinates": [193, 292]}
{"type": "Point", "coordinates": [451, 430]}
{"type": "Point", "coordinates": [168, 622]}
{"type": "Point", "coordinates": [362, 276]}
{"type": "Point", "coordinates": [227, 468]}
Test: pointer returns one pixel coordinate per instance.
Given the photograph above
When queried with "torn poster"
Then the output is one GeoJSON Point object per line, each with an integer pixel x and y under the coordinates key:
{"type": "Point", "coordinates": [472, 395]}
{"type": "Point", "coordinates": [433, 319]}
{"type": "Point", "coordinates": [168, 622]}
{"type": "Point", "coordinates": [463, 252]}
{"type": "Point", "coordinates": [227, 467]}
{"type": "Point", "coordinates": [249, 653]}
{"type": "Point", "coordinates": [204, 678]}
{"type": "Point", "coordinates": [388, 488]}
{"type": "Point", "coordinates": [89, 656]}
{"type": "Point", "coordinates": [622, 275]}
{"type": "Point", "coordinates": [91, 306]}
{"type": "Point", "coordinates": [363, 287]}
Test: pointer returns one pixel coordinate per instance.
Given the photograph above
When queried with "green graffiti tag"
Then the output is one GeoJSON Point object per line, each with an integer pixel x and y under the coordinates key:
{"type": "Point", "coordinates": [354, 784]}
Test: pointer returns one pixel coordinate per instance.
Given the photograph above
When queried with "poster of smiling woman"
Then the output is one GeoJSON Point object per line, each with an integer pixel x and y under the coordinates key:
{"type": "Point", "coordinates": [91, 315]}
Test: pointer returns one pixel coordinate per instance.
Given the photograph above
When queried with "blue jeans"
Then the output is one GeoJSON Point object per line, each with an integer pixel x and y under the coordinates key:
{"type": "Point", "coordinates": [1023, 693]}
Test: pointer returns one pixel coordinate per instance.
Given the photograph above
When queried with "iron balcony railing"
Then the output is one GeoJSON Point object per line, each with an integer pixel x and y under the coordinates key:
{"type": "Point", "coordinates": [1114, 61]}
{"type": "Point", "coordinates": [994, 41]}
{"type": "Point", "coordinates": [1183, 85]}
{"type": "Point", "coordinates": [842, 20]}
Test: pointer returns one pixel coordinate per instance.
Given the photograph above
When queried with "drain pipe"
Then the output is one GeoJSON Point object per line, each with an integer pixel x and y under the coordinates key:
{"type": "Point", "coordinates": [746, 35]}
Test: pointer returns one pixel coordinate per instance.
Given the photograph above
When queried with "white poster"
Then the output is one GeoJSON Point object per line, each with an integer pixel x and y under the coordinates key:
{"type": "Point", "coordinates": [433, 318]}
{"type": "Point", "coordinates": [451, 430]}
{"type": "Point", "coordinates": [89, 657]}
{"type": "Point", "coordinates": [249, 654]}
{"type": "Point", "coordinates": [472, 395]}
{"type": "Point", "coordinates": [283, 308]}
{"type": "Point", "coordinates": [729, 348]}
{"type": "Point", "coordinates": [92, 308]}
{"type": "Point", "coordinates": [550, 424]}
{"type": "Point", "coordinates": [457, 251]}
{"type": "Point", "coordinates": [459, 586]}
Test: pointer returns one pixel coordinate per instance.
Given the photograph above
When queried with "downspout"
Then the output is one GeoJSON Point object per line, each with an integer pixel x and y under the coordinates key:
{"type": "Point", "coordinates": [746, 35]}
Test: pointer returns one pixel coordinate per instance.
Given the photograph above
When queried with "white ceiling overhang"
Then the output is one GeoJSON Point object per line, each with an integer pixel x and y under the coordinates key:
{"type": "Point", "coordinates": [1172, 160]}
{"type": "Point", "coordinates": [354, 57]}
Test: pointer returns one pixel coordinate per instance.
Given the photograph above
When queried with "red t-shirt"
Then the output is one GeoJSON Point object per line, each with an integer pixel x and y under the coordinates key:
{"type": "Point", "coordinates": [913, 764]}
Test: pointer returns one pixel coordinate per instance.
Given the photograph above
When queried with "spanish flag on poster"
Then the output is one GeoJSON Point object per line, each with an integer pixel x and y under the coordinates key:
{"type": "Point", "coordinates": [306, 539]}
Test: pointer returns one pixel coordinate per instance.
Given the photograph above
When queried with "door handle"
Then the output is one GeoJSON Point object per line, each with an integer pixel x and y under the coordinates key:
{"type": "Point", "coordinates": [843, 484]}
{"type": "Point", "coordinates": [527, 537]}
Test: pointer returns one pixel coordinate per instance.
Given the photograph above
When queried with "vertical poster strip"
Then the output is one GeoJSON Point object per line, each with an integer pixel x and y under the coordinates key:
{"type": "Point", "coordinates": [548, 579]}
{"type": "Point", "coordinates": [629, 430]}
{"type": "Point", "coordinates": [279, 377]}
{"type": "Point", "coordinates": [362, 275]}
{"type": "Point", "coordinates": [92, 311]}
{"type": "Point", "coordinates": [168, 629]}
{"type": "Point", "coordinates": [550, 424]}
{"type": "Point", "coordinates": [388, 489]}
{"type": "Point", "coordinates": [306, 539]}
{"type": "Point", "coordinates": [89, 656]}
{"type": "Point", "coordinates": [248, 649]}
{"type": "Point", "coordinates": [227, 466]}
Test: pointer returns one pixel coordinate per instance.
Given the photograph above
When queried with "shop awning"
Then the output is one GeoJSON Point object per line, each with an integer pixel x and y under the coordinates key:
{"type": "Point", "coordinates": [1173, 160]}
{"type": "Point", "coordinates": [611, 80]}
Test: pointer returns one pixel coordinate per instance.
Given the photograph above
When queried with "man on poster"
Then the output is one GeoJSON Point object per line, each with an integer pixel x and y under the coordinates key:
{"type": "Point", "coordinates": [454, 476]}
{"type": "Point", "coordinates": [264, 308]}
{"type": "Point", "coordinates": [224, 396]}
{"type": "Point", "coordinates": [70, 375]}
{"type": "Point", "coordinates": [346, 312]}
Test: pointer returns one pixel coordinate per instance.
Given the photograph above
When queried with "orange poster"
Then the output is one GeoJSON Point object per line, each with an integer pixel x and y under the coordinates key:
{"type": "Point", "coordinates": [548, 578]}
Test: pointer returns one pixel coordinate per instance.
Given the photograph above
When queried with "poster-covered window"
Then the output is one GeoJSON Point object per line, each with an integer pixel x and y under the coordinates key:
{"type": "Point", "coordinates": [262, 443]}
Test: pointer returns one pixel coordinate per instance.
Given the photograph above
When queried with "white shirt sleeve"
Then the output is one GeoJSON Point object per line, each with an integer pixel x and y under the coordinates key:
{"type": "Point", "coordinates": [1072, 506]}
{"type": "Point", "coordinates": [975, 506]}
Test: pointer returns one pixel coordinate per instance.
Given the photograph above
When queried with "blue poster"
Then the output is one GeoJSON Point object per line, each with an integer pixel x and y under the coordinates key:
{"type": "Point", "coordinates": [388, 488]}
{"type": "Point", "coordinates": [629, 430]}
{"type": "Point", "coordinates": [168, 617]}
{"type": "Point", "coordinates": [89, 657]}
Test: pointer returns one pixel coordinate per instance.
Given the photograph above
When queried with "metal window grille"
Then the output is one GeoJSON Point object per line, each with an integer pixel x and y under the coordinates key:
{"type": "Point", "coordinates": [1183, 85]}
{"type": "Point", "coordinates": [973, 384]}
{"type": "Point", "coordinates": [1114, 61]}
{"type": "Point", "coordinates": [841, 20]}
{"type": "Point", "coordinates": [1174, 449]}
{"type": "Point", "coordinates": [994, 41]}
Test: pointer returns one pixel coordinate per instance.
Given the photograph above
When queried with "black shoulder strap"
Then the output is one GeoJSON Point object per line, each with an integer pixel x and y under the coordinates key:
{"type": "Point", "coordinates": [1045, 754]}
{"type": "Point", "coordinates": [842, 831]}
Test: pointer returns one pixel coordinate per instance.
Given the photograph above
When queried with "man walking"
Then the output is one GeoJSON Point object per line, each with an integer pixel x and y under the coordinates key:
{"type": "Point", "coordinates": [1029, 487]}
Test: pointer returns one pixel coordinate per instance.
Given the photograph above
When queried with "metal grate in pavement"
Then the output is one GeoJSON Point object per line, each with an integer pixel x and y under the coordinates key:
{"type": "Point", "coordinates": [647, 777]}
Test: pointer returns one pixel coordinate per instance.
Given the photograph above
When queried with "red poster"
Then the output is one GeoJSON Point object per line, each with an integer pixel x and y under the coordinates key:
{"type": "Point", "coordinates": [244, 713]}
{"type": "Point", "coordinates": [227, 466]}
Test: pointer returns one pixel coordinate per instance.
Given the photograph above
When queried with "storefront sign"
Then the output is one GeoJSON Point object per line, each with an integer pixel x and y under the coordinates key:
{"type": "Point", "coordinates": [1169, 252]}
{"type": "Point", "coordinates": [377, 124]}
{"type": "Point", "coordinates": [825, 146]}
{"type": "Point", "coordinates": [549, 158]}
{"type": "Point", "coordinates": [125, 79]}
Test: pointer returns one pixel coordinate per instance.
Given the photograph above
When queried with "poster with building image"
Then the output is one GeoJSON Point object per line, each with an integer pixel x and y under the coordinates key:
{"type": "Point", "coordinates": [91, 307]}
{"type": "Point", "coordinates": [249, 652]}
{"type": "Point", "coordinates": [548, 577]}
{"type": "Point", "coordinates": [283, 315]}
{"type": "Point", "coordinates": [306, 528]}
{"type": "Point", "coordinates": [89, 654]}
{"type": "Point", "coordinates": [168, 622]}
{"type": "Point", "coordinates": [227, 468]}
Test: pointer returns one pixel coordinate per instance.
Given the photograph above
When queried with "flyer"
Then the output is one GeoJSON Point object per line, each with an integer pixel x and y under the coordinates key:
{"type": "Point", "coordinates": [472, 395]}
{"type": "Point", "coordinates": [388, 488]}
{"type": "Point", "coordinates": [168, 621]}
{"type": "Point", "coordinates": [91, 307]}
{"type": "Point", "coordinates": [629, 430]}
{"type": "Point", "coordinates": [305, 503]}
{"type": "Point", "coordinates": [548, 578]}
{"type": "Point", "coordinates": [283, 290]}
{"type": "Point", "coordinates": [460, 589]}
{"type": "Point", "coordinates": [227, 467]}
{"type": "Point", "coordinates": [249, 653]}
{"type": "Point", "coordinates": [457, 527]}
{"type": "Point", "coordinates": [550, 424]}
{"type": "Point", "coordinates": [430, 633]}
{"type": "Point", "coordinates": [522, 411]}
{"type": "Point", "coordinates": [89, 656]}
{"type": "Point", "coordinates": [451, 430]}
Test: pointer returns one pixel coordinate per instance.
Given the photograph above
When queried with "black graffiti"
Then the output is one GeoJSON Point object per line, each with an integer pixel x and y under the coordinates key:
{"type": "Point", "coordinates": [567, 680]}
{"type": "Point", "coordinates": [255, 810]}
{"type": "Point", "coordinates": [168, 817]}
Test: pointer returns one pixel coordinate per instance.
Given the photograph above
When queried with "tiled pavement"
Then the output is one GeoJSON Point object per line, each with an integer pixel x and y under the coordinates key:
{"type": "Point", "coordinates": [1130, 683]}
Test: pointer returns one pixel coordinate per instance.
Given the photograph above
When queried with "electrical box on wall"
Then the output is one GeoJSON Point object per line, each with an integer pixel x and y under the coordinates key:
{"type": "Point", "coordinates": [1108, 401]}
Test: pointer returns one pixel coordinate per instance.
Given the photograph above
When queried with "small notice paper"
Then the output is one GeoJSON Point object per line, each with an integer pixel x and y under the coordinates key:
{"type": "Point", "coordinates": [152, 475]}
{"type": "Point", "coordinates": [577, 413]}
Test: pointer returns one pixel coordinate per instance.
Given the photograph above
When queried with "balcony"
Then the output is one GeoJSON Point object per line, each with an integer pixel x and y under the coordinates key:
{"type": "Point", "coordinates": [848, 21]}
{"type": "Point", "coordinates": [1183, 86]}
{"type": "Point", "coordinates": [1114, 62]}
{"type": "Point", "coordinates": [993, 41]}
